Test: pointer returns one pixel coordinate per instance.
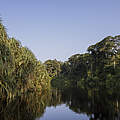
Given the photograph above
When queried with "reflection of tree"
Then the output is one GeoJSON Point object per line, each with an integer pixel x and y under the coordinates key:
{"type": "Point", "coordinates": [102, 106]}
{"type": "Point", "coordinates": [27, 107]}
{"type": "Point", "coordinates": [55, 98]}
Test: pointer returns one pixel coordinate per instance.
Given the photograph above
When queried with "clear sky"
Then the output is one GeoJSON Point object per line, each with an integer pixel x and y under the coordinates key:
{"type": "Point", "coordinates": [60, 28]}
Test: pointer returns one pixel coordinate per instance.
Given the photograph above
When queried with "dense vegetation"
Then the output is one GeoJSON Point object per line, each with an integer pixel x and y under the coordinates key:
{"type": "Point", "coordinates": [90, 82]}
{"type": "Point", "coordinates": [92, 77]}
{"type": "Point", "coordinates": [20, 71]}
{"type": "Point", "coordinates": [98, 69]}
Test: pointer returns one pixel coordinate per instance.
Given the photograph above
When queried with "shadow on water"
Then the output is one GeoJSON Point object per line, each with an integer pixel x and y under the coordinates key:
{"type": "Point", "coordinates": [100, 106]}
{"type": "Point", "coordinates": [96, 105]}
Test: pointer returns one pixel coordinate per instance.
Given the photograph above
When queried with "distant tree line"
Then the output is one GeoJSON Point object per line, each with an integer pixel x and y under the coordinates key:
{"type": "Point", "coordinates": [97, 69]}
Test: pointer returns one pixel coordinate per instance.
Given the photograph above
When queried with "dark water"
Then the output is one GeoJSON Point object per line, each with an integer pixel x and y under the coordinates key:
{"type": "Point", "coordinates": [70, 104]}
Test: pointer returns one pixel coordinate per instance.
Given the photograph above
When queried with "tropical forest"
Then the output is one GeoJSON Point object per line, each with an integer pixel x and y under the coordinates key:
{"type": "Point", "coordinates": [88, 83]}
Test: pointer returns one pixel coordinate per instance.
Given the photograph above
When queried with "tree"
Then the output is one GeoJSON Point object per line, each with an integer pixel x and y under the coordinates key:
{"type": "Point", "coordinates": [53, 67]}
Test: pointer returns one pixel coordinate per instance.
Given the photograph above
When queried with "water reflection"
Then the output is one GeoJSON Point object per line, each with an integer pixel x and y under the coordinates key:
{"type": "Point", "coordinates": [97, 105]}
{"type": "Point", "coordinates": [26, 107]}
{"type": "Point", "coordinates": [62, 112]}
{"type": "Point", "coordinates": [90, 104]}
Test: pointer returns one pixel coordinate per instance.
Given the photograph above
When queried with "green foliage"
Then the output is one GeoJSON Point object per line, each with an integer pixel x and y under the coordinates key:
{"type": "Point", "coordinates": [20, 71]}
{"type": "Point", "coordinates": [53, 67]}
{"type": "Point", "coordinates": [98, 69]}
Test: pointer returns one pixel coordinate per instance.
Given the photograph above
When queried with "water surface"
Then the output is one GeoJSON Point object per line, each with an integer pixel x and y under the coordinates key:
{"type": "Point", "coordinates": [70, 104]}
{"type": "Point", "coordinates": [62, 112]}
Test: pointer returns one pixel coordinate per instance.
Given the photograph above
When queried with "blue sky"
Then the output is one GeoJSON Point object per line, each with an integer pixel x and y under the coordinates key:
{"type": "Point", "coordinates": [60, 28]}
